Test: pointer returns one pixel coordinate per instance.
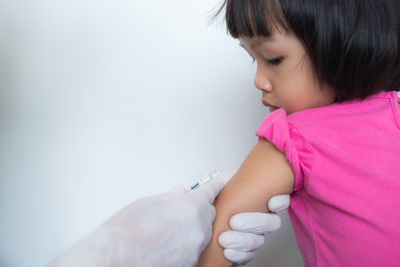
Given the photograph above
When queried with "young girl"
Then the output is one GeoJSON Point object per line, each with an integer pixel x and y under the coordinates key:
{"type": "Point", "coordinates": [328, 71]}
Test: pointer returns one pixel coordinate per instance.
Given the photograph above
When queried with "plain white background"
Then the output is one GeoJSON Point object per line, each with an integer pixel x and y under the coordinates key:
{"type": "Point", "coordinates": [103, 102]}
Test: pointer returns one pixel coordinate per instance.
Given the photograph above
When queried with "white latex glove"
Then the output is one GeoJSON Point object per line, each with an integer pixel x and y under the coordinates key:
{"type": "Point", "coordinates": [170, 229]}
{"type": "Point", "coordinates": [249, 229]}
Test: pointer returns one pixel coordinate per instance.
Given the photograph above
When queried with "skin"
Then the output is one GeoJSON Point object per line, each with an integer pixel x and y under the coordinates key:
{"type": "Point", "coordinates": [265, 173]}
{"type": "Point", "coordinates": [292, 84]}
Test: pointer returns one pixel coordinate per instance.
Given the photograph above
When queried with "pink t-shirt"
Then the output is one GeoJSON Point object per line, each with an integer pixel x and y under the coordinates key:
{"type": "Point", "coordinates": [345, 208]}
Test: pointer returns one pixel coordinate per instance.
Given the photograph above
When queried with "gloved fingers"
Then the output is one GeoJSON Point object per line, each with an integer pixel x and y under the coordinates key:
{"type": "Point", "coordinates": [179, 189]}
{"type": "Point", "coordinates": [212, 188]}
{"type": "Point", "coordinates": [175, 191]}
{"type": "Point", "coordinates": [211, 213]}
{"type": "Point", "coordinates": [279, 203]}
{"type": "Point", "coordinates": [255, 222]}
{"type": "Point", "coordinates": [240, 257]}
{"type": "Point", "coordinates": [240, 241]}
{"type": "Point", "coordinates": [224, 177]}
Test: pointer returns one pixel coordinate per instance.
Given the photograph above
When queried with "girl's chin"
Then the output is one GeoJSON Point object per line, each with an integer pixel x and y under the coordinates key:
{"type": "Point", "coordinates": [272, 109]}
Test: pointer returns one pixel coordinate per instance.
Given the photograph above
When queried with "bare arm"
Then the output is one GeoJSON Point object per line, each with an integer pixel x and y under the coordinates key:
{"type": "Point", "coordinates": [265, 173]}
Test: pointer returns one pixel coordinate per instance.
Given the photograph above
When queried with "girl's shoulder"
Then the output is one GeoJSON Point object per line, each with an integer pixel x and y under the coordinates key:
{"type": "Point", "coordinates": [352, 109]}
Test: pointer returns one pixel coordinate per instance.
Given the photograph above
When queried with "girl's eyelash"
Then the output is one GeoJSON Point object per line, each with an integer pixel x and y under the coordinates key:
{"type": "Point", "coordinates": [274, 61]}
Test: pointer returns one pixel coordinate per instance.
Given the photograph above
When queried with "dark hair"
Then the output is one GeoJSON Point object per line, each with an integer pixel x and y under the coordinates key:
{"type": "Point", "coordinates": [354, 44]}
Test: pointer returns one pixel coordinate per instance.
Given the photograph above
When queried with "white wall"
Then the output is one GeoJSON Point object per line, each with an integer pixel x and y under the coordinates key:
{"type": "Point", "coordinates": [105, 101]}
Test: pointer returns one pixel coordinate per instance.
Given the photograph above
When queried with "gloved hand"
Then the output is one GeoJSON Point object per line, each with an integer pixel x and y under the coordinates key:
{"type": "Point", "coordinates": [170, 229]}
{"type": "Point", "coordinates": [249, 229]}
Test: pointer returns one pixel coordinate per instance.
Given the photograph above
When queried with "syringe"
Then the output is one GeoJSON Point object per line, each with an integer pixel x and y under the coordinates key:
{"type": "Point", "coordinates": [207, 177]}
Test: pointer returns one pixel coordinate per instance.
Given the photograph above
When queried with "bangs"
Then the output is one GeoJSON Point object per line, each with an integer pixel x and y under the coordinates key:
{"type": "Point", "coordinates": [354, 46]}
{"type": "Point", "coordinates": [253, 18]}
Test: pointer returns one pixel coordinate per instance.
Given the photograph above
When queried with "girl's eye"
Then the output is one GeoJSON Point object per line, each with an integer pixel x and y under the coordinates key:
{"type": "Point", "coordinates": [275, 61]}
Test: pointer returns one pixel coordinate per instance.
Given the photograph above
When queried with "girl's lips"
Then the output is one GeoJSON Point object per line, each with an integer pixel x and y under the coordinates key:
{"type": "Point", "coordinates": [271, 108]}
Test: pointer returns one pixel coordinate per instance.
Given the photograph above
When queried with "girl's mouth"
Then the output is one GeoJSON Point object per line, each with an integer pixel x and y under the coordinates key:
{"type": "Point", "coordinates": [271, 108]}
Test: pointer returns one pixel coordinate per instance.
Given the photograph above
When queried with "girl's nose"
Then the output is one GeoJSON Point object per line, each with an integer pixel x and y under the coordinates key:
{"type": "Point", "coordinates": [261, 81]}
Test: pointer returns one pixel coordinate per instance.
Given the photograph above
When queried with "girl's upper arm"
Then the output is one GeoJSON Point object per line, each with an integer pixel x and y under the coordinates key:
{"type": "Point", "coordinates": [264, 173]}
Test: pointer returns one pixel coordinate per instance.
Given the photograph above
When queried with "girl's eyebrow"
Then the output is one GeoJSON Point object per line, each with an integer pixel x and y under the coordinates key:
{"type": "Point", "coordinates": [265, 40]}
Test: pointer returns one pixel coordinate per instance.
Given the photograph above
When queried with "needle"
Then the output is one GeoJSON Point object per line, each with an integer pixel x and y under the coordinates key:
{"type": "Point", "coordinates": [207, 177]}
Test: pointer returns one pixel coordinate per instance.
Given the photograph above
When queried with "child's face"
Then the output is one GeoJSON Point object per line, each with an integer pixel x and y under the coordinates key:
{"type": "Point", "coordinates": [285, 74]}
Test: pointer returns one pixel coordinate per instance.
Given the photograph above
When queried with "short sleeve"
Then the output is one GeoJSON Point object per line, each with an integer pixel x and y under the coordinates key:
{"type": "Point", "coordinates": [286, 137]}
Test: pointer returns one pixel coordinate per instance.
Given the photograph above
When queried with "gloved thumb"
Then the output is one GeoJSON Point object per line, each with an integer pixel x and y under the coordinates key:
{"type": "Point", "coordinates": [211, 189]}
